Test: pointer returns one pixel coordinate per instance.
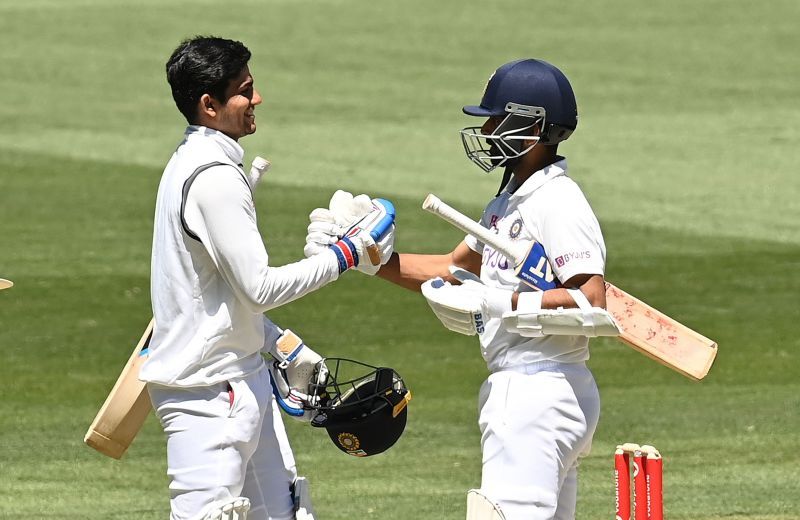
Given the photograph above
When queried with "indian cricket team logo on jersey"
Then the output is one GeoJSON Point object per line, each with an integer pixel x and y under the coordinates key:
{"type": "Point", "coordinates": [515, 229]}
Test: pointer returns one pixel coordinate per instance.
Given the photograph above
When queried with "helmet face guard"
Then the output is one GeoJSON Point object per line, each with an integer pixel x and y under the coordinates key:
{"type": "Point", "coordinates": [505, 145]}
{"type": "Point", "coordinates": [362, 407]}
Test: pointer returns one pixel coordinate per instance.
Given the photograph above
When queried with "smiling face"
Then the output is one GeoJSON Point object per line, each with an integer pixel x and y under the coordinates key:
{"type": "Point", "coordinates": [235, 117]}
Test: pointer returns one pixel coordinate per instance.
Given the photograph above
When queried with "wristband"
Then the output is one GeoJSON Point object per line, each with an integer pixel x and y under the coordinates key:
{"type": "Point", "coordinates": [346, 254]}
{"type": "Point", "coordinates": [530, 301]}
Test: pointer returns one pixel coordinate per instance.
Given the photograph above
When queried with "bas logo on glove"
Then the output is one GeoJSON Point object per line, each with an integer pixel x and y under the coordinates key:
{"type": "Point", "coordinates": [458, 310]}
{"type": "Point", "coordinates": [467, 307]}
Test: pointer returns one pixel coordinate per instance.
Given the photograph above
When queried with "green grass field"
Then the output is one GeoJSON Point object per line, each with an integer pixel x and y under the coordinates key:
{"type": "Point", "coordinates": [687, 150]}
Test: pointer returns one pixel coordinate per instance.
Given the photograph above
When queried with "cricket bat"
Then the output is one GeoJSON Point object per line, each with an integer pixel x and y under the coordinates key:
{"type": "Point", "coordinates": [5, 284]}
{"type": "Point", "coordinates": [644, 328]}
{"type": "Point", "coordinates": [126, 407]}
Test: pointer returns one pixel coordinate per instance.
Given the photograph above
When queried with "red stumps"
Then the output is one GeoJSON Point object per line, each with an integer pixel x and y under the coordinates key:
{"type": "Point", "coordinates": [622, 485]}
{"type": "Point", "coordinates": [648, 503]}
{"type": "Point", "coordinates": [655, 488]}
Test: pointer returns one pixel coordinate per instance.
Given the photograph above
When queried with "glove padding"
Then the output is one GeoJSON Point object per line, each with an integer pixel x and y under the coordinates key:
{"type": "Point", "coordinates": [467, 307]}
{"type": "Point", "coordinates": [295, 368]}
{"type": "Point", "coordinates": [329, 225]}
{"type": "Point", "coordinates": [531, 321]}
{"type": "Point", "coordinates": [345, 227]}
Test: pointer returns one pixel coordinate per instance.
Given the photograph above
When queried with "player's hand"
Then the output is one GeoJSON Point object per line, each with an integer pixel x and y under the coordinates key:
{"type": "Point", "coordinates": [355, 228]}
{"type": "Point", "coordinates": [323, 232]}
{"type": "Point", "coordinates": [357, 249]}
{"type": "Point", "coordinates": [348, 209]}
{"type": "Point", "coordinates": [365, 213]}
{"type": "Point", "coordinates": [384, 244]}
{"type": "Point", "coordinates": [328, 225]}
{"type": "Point", "coordinates": [296, 370]}
{"type": "Point", "coordinates": [467, 307]}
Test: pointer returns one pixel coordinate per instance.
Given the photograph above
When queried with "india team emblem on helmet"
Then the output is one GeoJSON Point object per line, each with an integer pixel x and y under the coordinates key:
{"type": "Point", "coordinates": [515, 229]}
{"type": "Point", "coordinates": [348, 441]}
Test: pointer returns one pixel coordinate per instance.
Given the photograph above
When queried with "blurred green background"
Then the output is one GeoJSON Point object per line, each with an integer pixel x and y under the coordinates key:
{"type": "Point", "coordinates": [686, 148]}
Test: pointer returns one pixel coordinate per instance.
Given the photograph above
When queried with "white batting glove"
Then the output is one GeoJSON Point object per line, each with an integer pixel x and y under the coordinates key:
{"type": "Point", "coordinates": [345, 228]}
{"type": "Point", "coordinates": [323, 232]}
{"type": "Point", "coordinates": [353, 250]}
{"type": "Point", "coordinates": [295, 368]}
{"type": "Point", "coordinates": [328, 225]}
{"type": "Point", "coordinates": [348, 209]}
{"type": "Point", "coordinates": [385, 243]}
{"type": "Point", "coordinates": [467, 307]}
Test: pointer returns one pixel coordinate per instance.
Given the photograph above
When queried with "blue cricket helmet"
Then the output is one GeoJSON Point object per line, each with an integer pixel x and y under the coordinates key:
{"type": "Point", "coordinates": [531, 83]}
{"type": "Point", "coordinates": [538, 104]}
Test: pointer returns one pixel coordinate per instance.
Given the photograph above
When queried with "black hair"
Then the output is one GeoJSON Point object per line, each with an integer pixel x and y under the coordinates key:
{"type": "Point", "coordinates": [203, 65]}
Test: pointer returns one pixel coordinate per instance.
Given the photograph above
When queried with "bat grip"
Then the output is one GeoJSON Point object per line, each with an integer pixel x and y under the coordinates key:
{"type": "Point", "coordinates": [386, 221]}
{"type": "Point", "coordinates": [439, 208]}
{"type": "Point", "coordinates": [380, 229]}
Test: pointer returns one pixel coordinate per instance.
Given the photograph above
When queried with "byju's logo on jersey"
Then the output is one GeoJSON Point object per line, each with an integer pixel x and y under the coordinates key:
{"type": "Point", "coordinates": [562, 260]}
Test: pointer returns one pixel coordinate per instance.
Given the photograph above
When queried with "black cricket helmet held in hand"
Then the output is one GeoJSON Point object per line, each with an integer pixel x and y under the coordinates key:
{"type": "Point", "coordinates": [363, 407]}
{"type": "Point", "coordinates": [537, 103]}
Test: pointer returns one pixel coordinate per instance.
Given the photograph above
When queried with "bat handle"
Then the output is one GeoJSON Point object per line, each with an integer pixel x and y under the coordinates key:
{"type": "Point", "coordinates": [431, 203]}
{"type": "Point", "coordinates": [386, 221]}
{"type": "Point", "coordinates": [380, 229]}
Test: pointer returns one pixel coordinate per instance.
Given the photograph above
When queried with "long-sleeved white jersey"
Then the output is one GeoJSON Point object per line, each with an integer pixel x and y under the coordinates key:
{"type": "Point", "coordinates": [210, 274]}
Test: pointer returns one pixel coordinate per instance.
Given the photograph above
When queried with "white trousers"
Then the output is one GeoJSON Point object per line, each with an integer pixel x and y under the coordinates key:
{"type": "Point", "coordinates": [535, 422]}
{"type": "Point", "coordinates": [225, 441]}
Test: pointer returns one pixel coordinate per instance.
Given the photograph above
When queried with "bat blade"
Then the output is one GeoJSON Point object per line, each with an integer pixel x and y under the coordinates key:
{"type": "Point", "coordinates": [644, 328]}
{"type": "Point", "coordinates": [5, 284]}
{"type": "Point", "coordinates": [660, 337]}
{"type": "Point", "coordinates": [125, 409]}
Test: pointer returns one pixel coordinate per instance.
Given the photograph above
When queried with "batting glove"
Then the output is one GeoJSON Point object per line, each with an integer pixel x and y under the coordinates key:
{"type": "Point", "coordinates": [296, 370]}
{"type": "Point", "coordinates": [323, 232]}
{"type": "Point", "coordinates": [467, 307]}
{"type": "Point", "coordinates": [347, 227]}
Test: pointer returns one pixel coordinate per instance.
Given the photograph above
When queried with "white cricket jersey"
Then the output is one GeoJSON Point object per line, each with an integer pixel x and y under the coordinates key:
{"type": "Point", "coordinates": [210, 274]}
{"type": "Point", "coordinates": [550, 208]}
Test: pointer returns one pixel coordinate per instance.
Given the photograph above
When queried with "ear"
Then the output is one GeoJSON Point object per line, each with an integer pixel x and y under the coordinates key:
{"type": "Point", "coordinates": [536, 130]}
{"type": "Point", "coordinates": [207, 106]}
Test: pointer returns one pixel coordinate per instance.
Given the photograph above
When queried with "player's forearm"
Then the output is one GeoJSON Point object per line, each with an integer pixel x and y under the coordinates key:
{"type": "Point", "coordinates": [592, 286]}
{"type": "Point", "coordinates": [219, 211]}
{"type": "Point", "coordinates": [272, 287]}
{"type": "Point", "coordinates": [411, 271]}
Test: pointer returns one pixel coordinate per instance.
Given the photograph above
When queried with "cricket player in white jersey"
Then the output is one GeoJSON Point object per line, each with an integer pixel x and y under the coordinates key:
{"type": "Point", "coordinates": [211, 281]}
{"type": "Point", "coordinates": [539, 407]}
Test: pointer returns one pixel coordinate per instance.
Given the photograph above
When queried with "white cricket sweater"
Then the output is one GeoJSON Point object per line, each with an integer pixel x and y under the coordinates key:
{"type": "Point", "coordinates": [210, 274]}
